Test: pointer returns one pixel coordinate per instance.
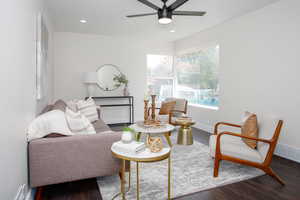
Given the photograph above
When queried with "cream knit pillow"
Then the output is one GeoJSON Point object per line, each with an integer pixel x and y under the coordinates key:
{"type": "Point", "coordinates": [78, 123]}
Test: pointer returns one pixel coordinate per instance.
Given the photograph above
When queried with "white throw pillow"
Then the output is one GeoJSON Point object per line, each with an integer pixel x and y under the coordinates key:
{"type": "Point", "coordinates": [88, 108]}
{"type": "Point", "coordinates": [72, 105]}
{"type": "Point", "coordinates": [50, 122]}
{"type": "Point", "coordinates": [78, 123]}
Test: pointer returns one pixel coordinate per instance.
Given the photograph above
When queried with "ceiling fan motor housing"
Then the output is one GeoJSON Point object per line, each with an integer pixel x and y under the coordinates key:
{"type": "Point", "coordinates": [164, 13]}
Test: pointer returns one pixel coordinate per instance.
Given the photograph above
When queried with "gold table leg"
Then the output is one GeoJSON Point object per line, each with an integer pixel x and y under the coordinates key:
{"type": "Point", "coordinates": [169, 177]}
{"type": "Point", "coordinates": [137, 182]}
{"type": "Point", "coordinates": [168, 138]}
{"type": "Point", "coordinates": [123, 180]}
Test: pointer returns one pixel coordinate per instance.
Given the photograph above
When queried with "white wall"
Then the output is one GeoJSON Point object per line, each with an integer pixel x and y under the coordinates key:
{"type": "Point", "coordinates": [79, 53]}
{"type": "Point", "coordinates": [259, 69]}
{"type": "Point", "coordinates": [17, 86]}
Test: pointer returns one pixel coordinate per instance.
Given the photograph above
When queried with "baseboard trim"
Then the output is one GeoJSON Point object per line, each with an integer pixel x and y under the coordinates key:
{"type": "Point", "coordinates": [282, 150]}
{"type": "Point", "coordinates": [286, 151]}
{"type": "Point", "coordinates": [205, 127]}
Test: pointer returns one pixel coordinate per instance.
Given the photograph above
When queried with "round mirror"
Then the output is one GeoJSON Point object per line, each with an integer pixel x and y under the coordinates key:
{"type": "Point", "coordinates": [105, 77]}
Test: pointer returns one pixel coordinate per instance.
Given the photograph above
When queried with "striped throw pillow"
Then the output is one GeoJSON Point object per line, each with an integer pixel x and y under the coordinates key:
{"type": "Point", "coordinates": [88, 108]}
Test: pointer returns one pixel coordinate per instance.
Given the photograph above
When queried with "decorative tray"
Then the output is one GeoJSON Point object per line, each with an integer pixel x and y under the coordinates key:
{"type": "Point", "coordinates": [151, 124]}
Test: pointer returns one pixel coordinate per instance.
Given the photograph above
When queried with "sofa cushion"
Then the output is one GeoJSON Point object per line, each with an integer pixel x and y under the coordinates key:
{"type": "Point", "coordinates": [59, 105]}
{"type": "Point", "coordinates": [100, 126]}
{"type": "Point", "coordinates": [235, 147]}
{"type": "Point", "coordinates": [47, 109]}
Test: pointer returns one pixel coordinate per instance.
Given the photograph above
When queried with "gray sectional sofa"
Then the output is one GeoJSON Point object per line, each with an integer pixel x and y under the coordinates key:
{"type": "Point", "coordinates": [61, 159]}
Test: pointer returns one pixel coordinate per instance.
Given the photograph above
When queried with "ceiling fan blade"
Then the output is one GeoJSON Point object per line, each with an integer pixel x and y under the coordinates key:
{"type": "Point", "coordinates": [142, 15]}
{"type": "Point", "coordinates": [148, 3]}
{"type": "Point", "coordinates": [189, 13]}
{"type": "Point", "coordinates": [177, 4]}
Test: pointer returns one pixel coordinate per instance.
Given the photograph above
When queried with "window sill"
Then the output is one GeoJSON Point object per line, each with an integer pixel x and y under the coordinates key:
{"type": "Point", "coordinates": [204, 106]}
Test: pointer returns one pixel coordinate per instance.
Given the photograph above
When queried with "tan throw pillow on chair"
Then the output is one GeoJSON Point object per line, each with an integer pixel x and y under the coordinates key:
{"type": "Point", "coordinates": [166, 107]}
{"type": "Point", "coordinates": [250, 129]}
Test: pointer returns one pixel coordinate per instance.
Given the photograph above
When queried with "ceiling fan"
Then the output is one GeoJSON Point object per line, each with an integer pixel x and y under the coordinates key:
{"type": "Point", "coordinates": [166, 12]}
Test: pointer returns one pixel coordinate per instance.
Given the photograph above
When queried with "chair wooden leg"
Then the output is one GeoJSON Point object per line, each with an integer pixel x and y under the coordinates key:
{"type": "Point", "coordinates": [271, 173]}
{"type": "Point", "coordinates": [216, 168]}
{"type": "Point", "coordinates": [170, 133]}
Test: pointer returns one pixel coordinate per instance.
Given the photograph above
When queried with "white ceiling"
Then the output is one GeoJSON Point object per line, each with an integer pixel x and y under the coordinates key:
{"type": "Point", "coordinates": [107, 17]}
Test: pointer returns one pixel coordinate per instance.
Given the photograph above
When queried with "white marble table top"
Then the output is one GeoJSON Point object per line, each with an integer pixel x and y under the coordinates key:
{"type": "Point", "coordinates": [144, 155]}
{"type": "Point", "coordinates": [162, 129]}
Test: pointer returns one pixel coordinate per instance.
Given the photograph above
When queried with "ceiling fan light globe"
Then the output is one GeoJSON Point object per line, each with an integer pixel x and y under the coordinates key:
{"type": "Point", "coordinates": [164, 20]}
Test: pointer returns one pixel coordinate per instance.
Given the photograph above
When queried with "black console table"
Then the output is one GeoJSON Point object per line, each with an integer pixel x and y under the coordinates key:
{"type": "Point", "coordinates": [130, 104]}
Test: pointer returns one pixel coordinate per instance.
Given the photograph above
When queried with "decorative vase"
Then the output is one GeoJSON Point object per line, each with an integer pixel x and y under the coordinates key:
{"type": "Point", "coordinates": [126, 91]}
{"type": "Point", "coordinates": [127, 137]}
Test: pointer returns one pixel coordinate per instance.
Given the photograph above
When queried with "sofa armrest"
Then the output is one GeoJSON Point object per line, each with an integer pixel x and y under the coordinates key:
{"type": "Point", "coordinates": [64, 159]}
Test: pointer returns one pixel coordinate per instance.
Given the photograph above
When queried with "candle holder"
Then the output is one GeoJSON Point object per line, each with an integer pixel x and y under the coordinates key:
{"type": "Point", "coordinates": [146, 114]}
{"type": "Point", "coordinates": [153, 97]}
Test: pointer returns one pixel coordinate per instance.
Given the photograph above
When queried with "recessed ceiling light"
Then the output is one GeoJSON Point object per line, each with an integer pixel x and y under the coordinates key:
{"type": "Point", "coordinates": [172, 31]}
{"type": "Point", "coordinates": [83, 21]}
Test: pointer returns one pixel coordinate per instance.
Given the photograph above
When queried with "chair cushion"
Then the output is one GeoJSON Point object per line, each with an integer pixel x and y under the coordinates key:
{"type": "Point", "coordinates": [250, 129]}
{"type": "Point", "coordinates": [235, 147]}
{"type": "Point", "coordinates": [166, 107]}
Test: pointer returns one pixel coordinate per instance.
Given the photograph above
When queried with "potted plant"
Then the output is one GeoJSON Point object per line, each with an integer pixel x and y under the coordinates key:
{"type": "Point", "coordinates": [122, 80]}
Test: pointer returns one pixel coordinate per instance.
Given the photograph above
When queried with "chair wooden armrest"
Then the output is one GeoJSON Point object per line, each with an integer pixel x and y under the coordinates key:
{"type": "Point", "coordinates": [225, 124]}
{"type": "Point", "coordinates": [180, 111]}
{"type": "Point", "coordinates": [242, 136]}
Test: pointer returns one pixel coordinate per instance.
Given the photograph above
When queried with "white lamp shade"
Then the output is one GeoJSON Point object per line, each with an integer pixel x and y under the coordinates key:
{"type": "Point", "coordinates": [90, 77]}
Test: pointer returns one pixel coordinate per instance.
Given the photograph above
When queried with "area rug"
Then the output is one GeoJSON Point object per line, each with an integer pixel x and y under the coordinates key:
{"type": "Point", "coordinates": [192, 171]}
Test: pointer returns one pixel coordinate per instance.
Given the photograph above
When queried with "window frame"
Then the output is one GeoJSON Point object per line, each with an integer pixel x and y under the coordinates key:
{"type": "Point", "coordinates": [190, 51]}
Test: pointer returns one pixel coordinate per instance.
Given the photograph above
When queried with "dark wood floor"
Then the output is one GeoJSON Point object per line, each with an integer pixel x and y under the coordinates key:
{"type": "Point", "coordinates": [260, 188]}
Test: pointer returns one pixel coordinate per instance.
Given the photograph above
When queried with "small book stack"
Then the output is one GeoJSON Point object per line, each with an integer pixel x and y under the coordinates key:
{"type": "Point", "coordinates": [129, 148]}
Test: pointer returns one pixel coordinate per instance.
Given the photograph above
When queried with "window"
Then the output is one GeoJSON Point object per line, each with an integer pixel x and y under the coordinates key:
{"type": "Point", "coordinates": [197, 76]}
{"type": "Point", "coordinates": [160, 75]}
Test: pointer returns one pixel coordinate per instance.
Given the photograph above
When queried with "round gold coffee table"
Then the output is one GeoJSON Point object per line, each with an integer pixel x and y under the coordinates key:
{"type": "Point", "coordinates": [185, 135]}
{"type": "Point", "coordinates": [145, 156]}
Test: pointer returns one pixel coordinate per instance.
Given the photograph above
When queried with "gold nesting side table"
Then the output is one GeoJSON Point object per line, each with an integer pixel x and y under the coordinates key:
{"type": "Point", "coordinates": [145, 157]}
{"type": "Point", "coordinates": [185, 135]}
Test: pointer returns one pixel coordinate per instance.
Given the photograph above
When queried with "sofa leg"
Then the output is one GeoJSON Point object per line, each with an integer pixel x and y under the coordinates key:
{"type": "Point", "coordinates": [271, 173]}
{"type": "Point", "coordinates": [38, 194]}
{"type": "Point", "coordinates": [216, 167]}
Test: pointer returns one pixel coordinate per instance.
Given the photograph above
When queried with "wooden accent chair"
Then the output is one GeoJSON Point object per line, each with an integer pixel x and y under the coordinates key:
{"type": "Point", "coordinates": [229, 146]}
{"type": "Point", "coordinates": [180, 108]}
